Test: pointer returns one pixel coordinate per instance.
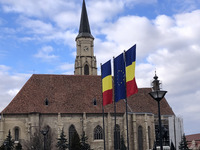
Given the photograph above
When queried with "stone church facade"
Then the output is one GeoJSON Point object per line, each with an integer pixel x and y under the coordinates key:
{"type": "Point", "coordinates": [74, 103]}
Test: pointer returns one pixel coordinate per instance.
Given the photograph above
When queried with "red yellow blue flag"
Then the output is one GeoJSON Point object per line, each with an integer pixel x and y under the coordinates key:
{"type": "Point", "coordinates": [131, 86]}
{"type": "Point", "coordinates": [106, 83]}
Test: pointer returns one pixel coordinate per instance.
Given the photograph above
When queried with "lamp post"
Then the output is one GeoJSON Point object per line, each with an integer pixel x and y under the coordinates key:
{"type": "Point", "coordinates": [158, 95]}
{"type": "Point", "coordinates": [44, 133]}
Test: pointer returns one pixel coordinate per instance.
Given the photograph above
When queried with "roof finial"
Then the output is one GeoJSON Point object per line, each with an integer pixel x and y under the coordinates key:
{"type": "Point", "coordinates": [155, 77]}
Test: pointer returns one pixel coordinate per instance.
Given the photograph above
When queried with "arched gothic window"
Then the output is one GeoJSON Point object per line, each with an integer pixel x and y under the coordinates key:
{"type": "Point", "coordinates": [140, 138]}
{"type": "Point", "coordinates": [98, 133]}
{"type": "Point", "coordinates": [16, 133]}
{"type": "Point", "coordinates": [86, 69]}
{"type": "Point", "coordinates": [72, 131]}
{"type": "Point", "coordinates": [149, 136]}
{"type": "Point", "coordinates": [117, 137]}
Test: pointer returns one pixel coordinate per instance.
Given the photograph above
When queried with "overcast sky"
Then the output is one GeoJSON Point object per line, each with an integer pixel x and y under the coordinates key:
{"type": "Point", "coordinates": [38, 37]}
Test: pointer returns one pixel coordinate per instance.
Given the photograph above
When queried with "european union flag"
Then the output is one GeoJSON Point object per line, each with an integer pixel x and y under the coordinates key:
{"type": "Point", "coordinates": [119, 78]}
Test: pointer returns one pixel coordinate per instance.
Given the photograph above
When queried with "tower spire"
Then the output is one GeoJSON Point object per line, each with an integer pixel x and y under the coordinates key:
{"type": "Point", "coordinates": [85, 62]}
{"type": "Point", "coordinates": [84, 29]}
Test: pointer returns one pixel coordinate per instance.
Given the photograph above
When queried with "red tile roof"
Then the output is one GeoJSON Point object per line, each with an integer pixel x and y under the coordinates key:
{"type": "Point", "coordinates": [196, 138]}
{"type": "Point", "coordinates": [193, 137]}
{"type": "Point", "coordinates": [75, 94]}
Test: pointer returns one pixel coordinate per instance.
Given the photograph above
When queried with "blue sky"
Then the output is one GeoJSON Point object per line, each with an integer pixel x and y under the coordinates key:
{"type": "Point", "coordinates": [39, 37]}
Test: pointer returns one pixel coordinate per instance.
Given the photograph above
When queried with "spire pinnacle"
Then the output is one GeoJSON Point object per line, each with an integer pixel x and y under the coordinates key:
{"type": "Point", "coordinates": [155, 77]}
{"type": "Point", "coordinates": [84, 29]}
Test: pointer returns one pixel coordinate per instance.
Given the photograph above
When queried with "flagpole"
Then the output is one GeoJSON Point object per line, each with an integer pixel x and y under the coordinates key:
{"type": "Point", "coordinates": [126, 106]}
{"type": "Point", "coordinates": [104, 144]}
{"type": "Point", "coordinates": [115, 116]}
{"type": "Point", "coordinates": [127, 124]}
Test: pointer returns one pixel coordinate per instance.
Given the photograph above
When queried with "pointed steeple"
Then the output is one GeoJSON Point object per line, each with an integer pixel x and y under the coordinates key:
{"type": "Point", "coordinates": [85, 62]}
{"type": "Point", "coordinates": [84, 29]}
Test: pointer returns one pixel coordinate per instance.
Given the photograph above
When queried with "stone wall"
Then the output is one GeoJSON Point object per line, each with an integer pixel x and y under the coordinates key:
{"type": "Point", "coordinates": [28, 123]}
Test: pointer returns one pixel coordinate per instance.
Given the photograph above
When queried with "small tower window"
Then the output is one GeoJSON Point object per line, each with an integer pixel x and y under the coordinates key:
{"type": "Point", "coordinates": [46, 102]}
{"type": "Point", "coordinates": [94, 101]}
{"type": "Point", "coordinates": [86, 69]}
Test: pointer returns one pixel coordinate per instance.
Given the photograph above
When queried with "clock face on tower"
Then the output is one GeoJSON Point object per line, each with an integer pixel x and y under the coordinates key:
{"type": "Point", "coordinates": [85, 48]}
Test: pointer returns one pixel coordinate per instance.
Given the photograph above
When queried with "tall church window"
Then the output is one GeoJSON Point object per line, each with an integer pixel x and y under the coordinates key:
{"type": "Point", "coordinates": [165, 131]}
{"type": "Point", "coordinates": [86, 69]}
{"type": "Point", "coordinates": [140, 138]}
{"type": "Point", "coordinates": [117, 137]}
{"type": "Point", "coordinates": [16, 133]}
{"type": "Point", "coordinates": [165, 134]}
{"type": "Point", "coordinates": [98, 133]}
{"type": "Point", "coordinates": [72, 131]}
{"type": "Point", "coordinates": [149, 136]}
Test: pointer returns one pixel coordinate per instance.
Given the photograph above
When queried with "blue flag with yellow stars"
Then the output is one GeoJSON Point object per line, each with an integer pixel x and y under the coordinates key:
{"type": "Point", "coordinates": [119, 78]}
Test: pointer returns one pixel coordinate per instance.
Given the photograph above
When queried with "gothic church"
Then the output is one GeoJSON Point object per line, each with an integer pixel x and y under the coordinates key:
{"type": "Point", "coordinates": [74, 103]}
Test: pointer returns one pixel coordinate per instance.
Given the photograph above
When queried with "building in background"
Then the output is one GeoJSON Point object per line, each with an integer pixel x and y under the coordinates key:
{"type": "Point", "coordinates": [193, 141]}
{"type": "Point", "coordinates": [74, 103]}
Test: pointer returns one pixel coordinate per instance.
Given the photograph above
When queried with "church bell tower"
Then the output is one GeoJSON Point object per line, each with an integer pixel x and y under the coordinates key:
{"type": "Point", "coordinates": [85, 63]}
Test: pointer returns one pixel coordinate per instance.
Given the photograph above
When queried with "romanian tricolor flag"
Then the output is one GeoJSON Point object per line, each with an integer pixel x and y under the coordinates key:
{"type": "Point", "coordinates": [106, 83]}
{"type": "Point", "coordinates": [131, 86]}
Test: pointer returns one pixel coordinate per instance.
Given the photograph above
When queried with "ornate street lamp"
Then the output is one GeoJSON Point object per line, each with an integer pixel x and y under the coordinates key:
{"type": "Point", "coordinates": [44, 133]}
{"type": "Point", "coordinates": [158, 95]}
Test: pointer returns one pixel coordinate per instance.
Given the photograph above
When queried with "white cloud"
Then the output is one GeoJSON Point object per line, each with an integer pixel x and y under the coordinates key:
{"type": "Point", "coordinates": [60, 12]}
{"type": "Point", "coordinates": [45, 20]}
{"type": "Point", "coordinates": [43, 8]}
{"type": "Point", "coordinates": [101, 47]}
{"type": "Point", "coordinates": [10, 85]}
{"type": "Point", "coordinates": [60, 17]}
{"type": "Point", "coordinates": [67, 20]}
{"type": "Point", "coordinates": [45, 54]}
{"type": "Point", "coordinates": [13, 92]}
{"type": "Point", "coordinates": [130, 30]}
{"type": "Point", "coordinates": [66, 67]}
{"type": "Point", "coordinates": [164, 23]}
{"type": "Point", "coordinates": [131, 2]}
{"type": "Point", "coordinates": [184, 5]}
{"type": "Point", "coordinates": [4, 68]}
{"type": "Point", "coordinates": [99, 11]}
{"type": "Point", "coordinates": [66, 37]}
{"type": "Point", "coordinates": [36, 26]}
{"type": "Point", "coordinates": [144, 74]}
